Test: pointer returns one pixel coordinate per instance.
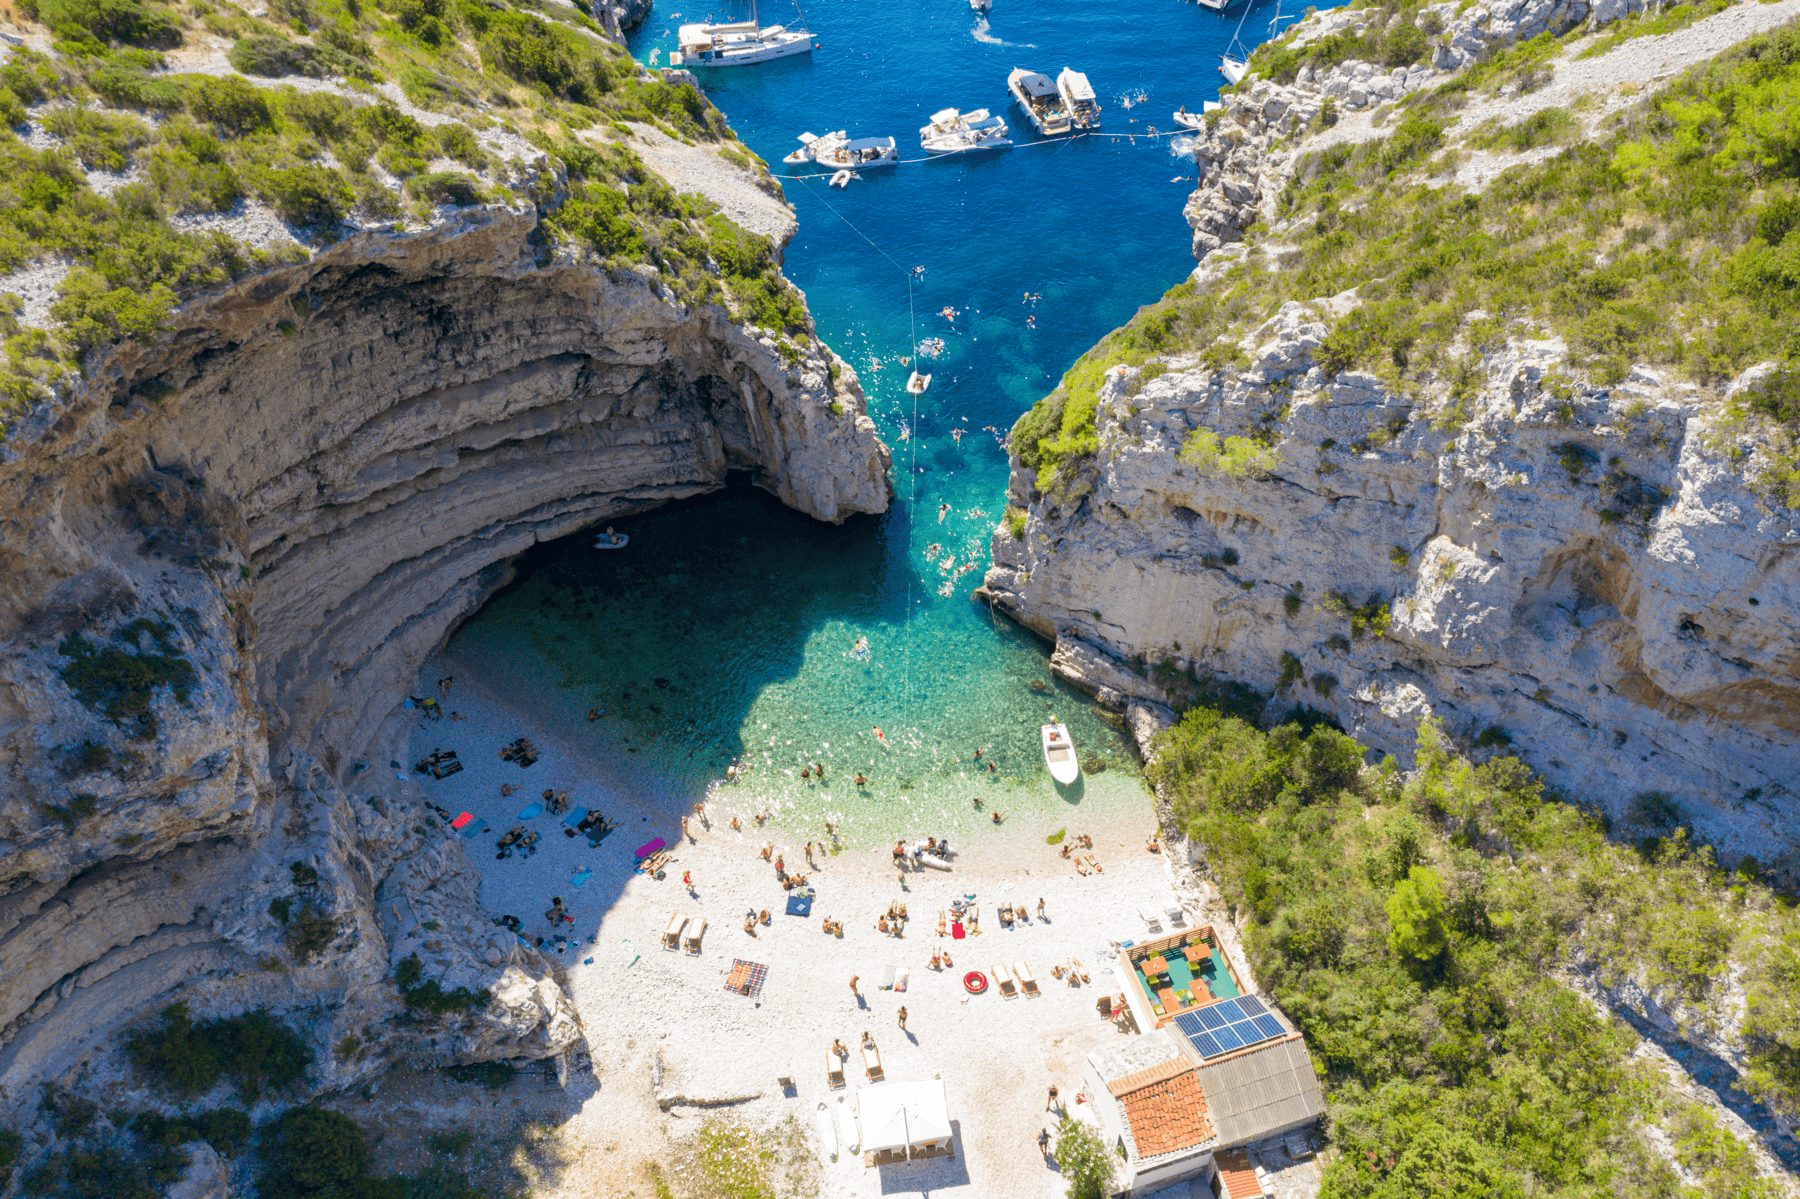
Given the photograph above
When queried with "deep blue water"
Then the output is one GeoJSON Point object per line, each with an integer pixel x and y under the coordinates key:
{"type": "Point", "coordinates": [749, 613]}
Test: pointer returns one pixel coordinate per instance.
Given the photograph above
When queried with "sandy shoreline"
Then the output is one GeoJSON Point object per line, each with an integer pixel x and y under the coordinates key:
{"type": "Point", "coordinates": [649, 1011]}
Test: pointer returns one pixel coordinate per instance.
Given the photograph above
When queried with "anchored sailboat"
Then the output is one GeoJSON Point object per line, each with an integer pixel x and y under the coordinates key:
{"type": "Point", "coordinates": [738, 43]}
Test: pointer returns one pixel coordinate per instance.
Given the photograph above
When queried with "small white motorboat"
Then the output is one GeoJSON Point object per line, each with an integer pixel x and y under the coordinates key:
{"type": "Point", "coordinates": [918, 383]}
{"type": "Point", "coordinates": [1041, 101]}
{"type": "Point", "coordinates": [981, 5]}
{"type": "Point", "coordinates": [737, 43]}
{"type": "Point", "coordinates": [953, 131]}
{"type": "Point", "coordinates": [827, 1131]}
{"type": "Point", "coordinates": [610, 540]}
{"type": "Point", "coordinates": [841, 150]}
{"type": "Point", "coordinates": [843, 178]}
{"type": "Point", "coordinates": [1078, 98]}
{"type": "Point", "coordinates": [925, 857]}
{"type": "Point", "coordinates": [1232, 68]}
{"type": "Point", "coordinates": [1195, 120]}
{"type": "Point", "coordinates": [1059, 754]}
{"type": "Point", "coordinates": [847, 1127]}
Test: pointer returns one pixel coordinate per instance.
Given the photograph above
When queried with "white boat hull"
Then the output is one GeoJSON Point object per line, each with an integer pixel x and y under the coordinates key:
{"type": "Point", "coordinates": [787, 44]}
{"type": "Point", "coordinates": [1233, 69]}
{"type": "Point", "coordinates": [1059, 754]}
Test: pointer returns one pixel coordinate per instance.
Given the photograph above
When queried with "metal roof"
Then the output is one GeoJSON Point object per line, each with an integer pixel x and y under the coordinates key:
{"type": "Point", "coordinates": [1265, 1090]}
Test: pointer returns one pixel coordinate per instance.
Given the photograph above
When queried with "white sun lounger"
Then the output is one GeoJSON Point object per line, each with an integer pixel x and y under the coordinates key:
{"type": "Point", "coordinates": [696, 930]}
{"type": "Point", "coordinates": [834, 1069]}
{"type": "Point", "coordinates": [871, 1060]}
{"type": "Point", "coordinates": [1027, 983]}
{"type": "Point", "coordinates": [1004, 981]}
{"type": "Point", "coordinates": [672, 934]}
{"type": "Point", "coordinates": [1151, 918]}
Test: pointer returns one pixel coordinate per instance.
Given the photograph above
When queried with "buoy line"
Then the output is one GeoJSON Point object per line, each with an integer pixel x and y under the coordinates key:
{"type": "Point", "coordinates": [1053, 141]}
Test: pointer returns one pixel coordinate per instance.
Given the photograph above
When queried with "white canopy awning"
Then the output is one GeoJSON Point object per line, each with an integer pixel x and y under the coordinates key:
{"type": "Point", "coordinates": [902, 1115]}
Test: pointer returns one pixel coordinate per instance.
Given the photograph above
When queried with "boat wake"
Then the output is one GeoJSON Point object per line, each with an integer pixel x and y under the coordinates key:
{"type": "Point", "coordinates": [982, 35]}
{"type": "Point", "coordinates": [1182, 147]}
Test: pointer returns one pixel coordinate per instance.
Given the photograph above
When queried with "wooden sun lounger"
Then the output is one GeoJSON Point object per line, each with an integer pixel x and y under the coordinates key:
{"type": "Point", "coordinates": [871, 1060]}
{"type": "Point", "coordinates": [696, 930]}
{"type": "Point", "coordinates": [672, 934]}
{"type": "Point", "coordinates": [834, 1069]}
{"type": "Point", "coordinates": [1004, 981]}
{"type": "Point", "coordinates": [1027, 983]}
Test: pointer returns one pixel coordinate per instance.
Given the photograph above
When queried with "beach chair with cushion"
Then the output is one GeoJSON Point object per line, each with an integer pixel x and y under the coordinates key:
{"type": "Point", "coordinates": [1175, 913]}
{"type": "Point", "coordinates": [871, 1060]}
{"type": "Point", "coordinates": [1004, 982]}
{"type": "Point", "coordinates": [834, 1069]}
{"type": "Point", "coordinates": [1027, 983]}
{"type": "Point", "coordinates": [672, 934]}
{"type": "Point", "coordinates": [1152, 919]}
{"type": "Point", "coordinates": [695, 930]}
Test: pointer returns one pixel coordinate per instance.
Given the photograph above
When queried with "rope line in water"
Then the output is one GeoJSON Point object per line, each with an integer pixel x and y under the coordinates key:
{"type": "Point", "coordinates": [1054, 141]}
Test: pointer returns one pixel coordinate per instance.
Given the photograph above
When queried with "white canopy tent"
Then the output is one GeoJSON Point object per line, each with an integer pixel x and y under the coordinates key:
{"type": "Point", "coordinates": [904, 1119]}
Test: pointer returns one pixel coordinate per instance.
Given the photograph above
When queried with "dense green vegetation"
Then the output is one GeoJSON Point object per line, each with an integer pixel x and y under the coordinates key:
{"type": "Point", "coordinates": [119, 681]}
{"type": "Point", "coordinates": [1083, 1159]}
{"type": "Point", "coordinates": [1412, 928]}
{"type": "Point", "coordinates": [543, 68]}
{"type": "Point", "coordinates": [1672, 238]}
{"type": "Point", "coordinates": [428, 995]}
{"type": "Point", "coordinates": [254, 1050]}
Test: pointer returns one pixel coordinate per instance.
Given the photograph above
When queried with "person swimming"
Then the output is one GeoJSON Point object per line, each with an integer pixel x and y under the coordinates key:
{"type": "Point", "coordinates": [881, 737]}
{"type": "Point", "coordinates": [943, 511]}
{"type": "Point", "coordinates": [861, 649]}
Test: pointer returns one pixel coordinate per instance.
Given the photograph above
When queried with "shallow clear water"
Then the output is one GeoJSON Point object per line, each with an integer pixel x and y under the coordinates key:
{"type": "Point", "coordinates": [749, 612]}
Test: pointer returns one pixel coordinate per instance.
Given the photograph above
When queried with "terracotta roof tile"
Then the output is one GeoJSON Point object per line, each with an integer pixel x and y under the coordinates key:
{"type": "Point", "coordinates": [1238, 1174]}
{"type": "Point", "coordinates": [1165, 1108]}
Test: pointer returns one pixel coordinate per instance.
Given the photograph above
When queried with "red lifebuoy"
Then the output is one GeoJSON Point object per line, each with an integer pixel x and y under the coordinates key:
{"type": "Point", "coordinates": [975, 982]}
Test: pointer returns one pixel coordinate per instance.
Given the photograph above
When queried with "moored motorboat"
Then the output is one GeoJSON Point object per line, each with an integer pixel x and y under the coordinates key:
{"type": "Point", "coordinates": [842, 178]}
{"type": "Point", "coordinates": [737, 43]}
{"type": "Point", "coordinates": [1078, 99]}
{"type": "Point", "coordinates": [841, 150]}
{"type": "Point", "coordinates": [1041, 101]}
{"type": "Point", "coordinates": [955, 132]}
{"type": "Point", "coordinates": [1195, 120]}
{"type": "Point", "coordinates": [610, 540]}
{"type": "Point", "coordinates": [1059, 754]}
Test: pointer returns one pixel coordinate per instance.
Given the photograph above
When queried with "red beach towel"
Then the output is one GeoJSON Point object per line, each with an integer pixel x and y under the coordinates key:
{"type": "Point", "coordinates": [956, 930]}
{"type": "Point", "coordinates": [461, 820]}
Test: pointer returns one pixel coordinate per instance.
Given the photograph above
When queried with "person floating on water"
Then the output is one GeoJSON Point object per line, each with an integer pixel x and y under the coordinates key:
{"type": "Point", "coordinates": [881, 737]}
{"type": "Point", "coordinates": [943, 511]}
{"type": "Point", "coordinates": [861, 649]}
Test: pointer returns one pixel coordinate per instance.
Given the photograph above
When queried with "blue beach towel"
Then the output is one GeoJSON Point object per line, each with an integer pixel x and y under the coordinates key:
{"type": "Point", "coordinates": [582, 876]}
{"type": "Point", "coordinates": [799, 905]}
{"type": "Point", "coordinates": [575, 817]}
{"type": "Point", "coordinates": [474, 829]}
{"type": "Point", "coordinates": [531, 810]}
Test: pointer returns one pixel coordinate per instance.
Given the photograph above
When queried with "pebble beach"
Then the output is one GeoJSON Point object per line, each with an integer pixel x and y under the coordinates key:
{"type": "Point", "coordinates": [671, 1045]}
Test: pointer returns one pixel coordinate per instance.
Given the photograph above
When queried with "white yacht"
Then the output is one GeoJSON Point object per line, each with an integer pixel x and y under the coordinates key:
{"type": "Point", "coordinates": [842, 151]}
{"type": "Point", "coordinates": [1232, 68]}
{"type": "Point", "coordinates": [955, 132]}
{"type": "Point", "coordinates": [738, 43]}
{"type": "Point", "coordinates": [1078, 97]}
{"type": "Point", "coordinates": [1039, 98]}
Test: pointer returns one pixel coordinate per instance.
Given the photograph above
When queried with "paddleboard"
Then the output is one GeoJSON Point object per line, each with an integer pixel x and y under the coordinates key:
{"type": "Point", "coordinates": [847, 1127]}
{"type": "Point", "coordinates": [827, 1131]}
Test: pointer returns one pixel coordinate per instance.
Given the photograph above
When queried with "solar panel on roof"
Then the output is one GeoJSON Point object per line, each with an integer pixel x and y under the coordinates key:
{"type": "Point", "coordinates": [1267, 1027]}
{"type": "Point", "coordinates": [1251, 1005]}
{"type": "Point", "coordinates": [1212, 1017]}
{"type": "Point", "coordinates": [1206, 1045]}
{"type": "Point", "coordinates": [1228, 1038]}
{"type": "Point", "coordinates": [1189, 1023]}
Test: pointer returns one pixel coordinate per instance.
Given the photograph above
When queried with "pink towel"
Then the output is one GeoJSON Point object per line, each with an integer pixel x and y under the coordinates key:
{"type": "Point", "coordinates": [956, 930]}
{"type": "Point", "coordinates": [461, 820]}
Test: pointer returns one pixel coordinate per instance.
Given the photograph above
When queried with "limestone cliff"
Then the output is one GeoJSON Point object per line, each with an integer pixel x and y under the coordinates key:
{"type": "Point", "coordinates": [1583, 570]}
{"type": "Point", "coordinates": [228, 550]}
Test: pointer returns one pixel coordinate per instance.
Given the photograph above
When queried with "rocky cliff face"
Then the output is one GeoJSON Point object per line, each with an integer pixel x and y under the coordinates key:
{"type": "Point", "coordinates": [1577, 572]}
{"type": "Point", "coordinates": [228, 552]}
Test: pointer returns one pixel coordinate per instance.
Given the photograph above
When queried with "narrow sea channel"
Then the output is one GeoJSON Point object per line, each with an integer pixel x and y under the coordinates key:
{"type": "Point", "coordinates": [727, 628]}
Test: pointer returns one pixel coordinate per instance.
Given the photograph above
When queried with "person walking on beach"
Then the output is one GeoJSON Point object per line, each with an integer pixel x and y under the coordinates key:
{"type": "Point", "coordinates": [853, 989]}
{"type": "Point", "coordinates": [1041, 915]}
{"type": "Point", "coordinates": [903, 1019]}
{"type": "Point", "coordinates": [1044, 1141]}
{"type": "Point", "coordinates": [1052, 1104]}
{"type": "Point", "coordinates": [687, 880]}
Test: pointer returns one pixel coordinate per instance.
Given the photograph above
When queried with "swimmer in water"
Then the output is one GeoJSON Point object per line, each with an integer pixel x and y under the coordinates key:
{"type": "Point", "coordinates": [861, 648]}
{"type": "Point", "coordinates": [881, 736]}
{"type": "Point", "coordinates": [943, 511]}
{"type": "Point", "coordinates": [861, 779]}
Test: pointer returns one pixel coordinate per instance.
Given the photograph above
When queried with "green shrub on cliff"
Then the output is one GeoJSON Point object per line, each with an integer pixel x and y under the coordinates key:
{"type": "Point", "coordinates": [256, 1051]}
{"type": "Point", "coordinates": [1454, 1061]}
{"type": "Point", "coordinates": [121, 680]}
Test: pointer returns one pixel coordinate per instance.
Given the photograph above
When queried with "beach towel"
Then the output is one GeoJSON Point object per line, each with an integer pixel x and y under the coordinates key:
{"type": "Point", "coordinates": [458, 823]}
{"type": "Point", "coordinates": [956, 930]}
{"type": "Point", "coordinates": [746, 978]}
{"type": "Point", "coordinates": [575, 817]}
{"type": "Point", "coordinates": [644, 851]}
{"type": "Point", "coordinates": [582, 876]}
{"type": "Point", "coordinates": [799, 905]}
{"type": "Point", "coordinates": [900, 980]}
{"type": "Point", "coordinates": [474, 829]}
{"type": "Point", "coordinates": [887, 978]}
{"type": "Point", "coordinates": [530, 810]}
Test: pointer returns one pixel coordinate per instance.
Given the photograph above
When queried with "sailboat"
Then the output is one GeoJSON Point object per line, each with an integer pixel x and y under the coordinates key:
{"type": "Point", "coordinates": [738, 43]}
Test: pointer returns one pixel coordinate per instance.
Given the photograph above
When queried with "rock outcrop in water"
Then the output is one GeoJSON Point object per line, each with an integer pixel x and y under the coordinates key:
{"type": "Point", "coordinates": [228, 553]}
{"type": "Point", "coordinates": [1583, 573]}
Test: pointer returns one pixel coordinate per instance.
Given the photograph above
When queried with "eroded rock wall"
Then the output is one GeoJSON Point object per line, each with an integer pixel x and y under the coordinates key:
{"type": "Point", "coordinates": [288, 501]}
{"type": "Point", "coordinates": [1588, 579]}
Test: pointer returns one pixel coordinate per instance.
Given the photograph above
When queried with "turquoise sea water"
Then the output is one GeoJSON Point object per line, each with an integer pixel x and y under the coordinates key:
{"type": "Point", "coordinates": [748, 613]}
